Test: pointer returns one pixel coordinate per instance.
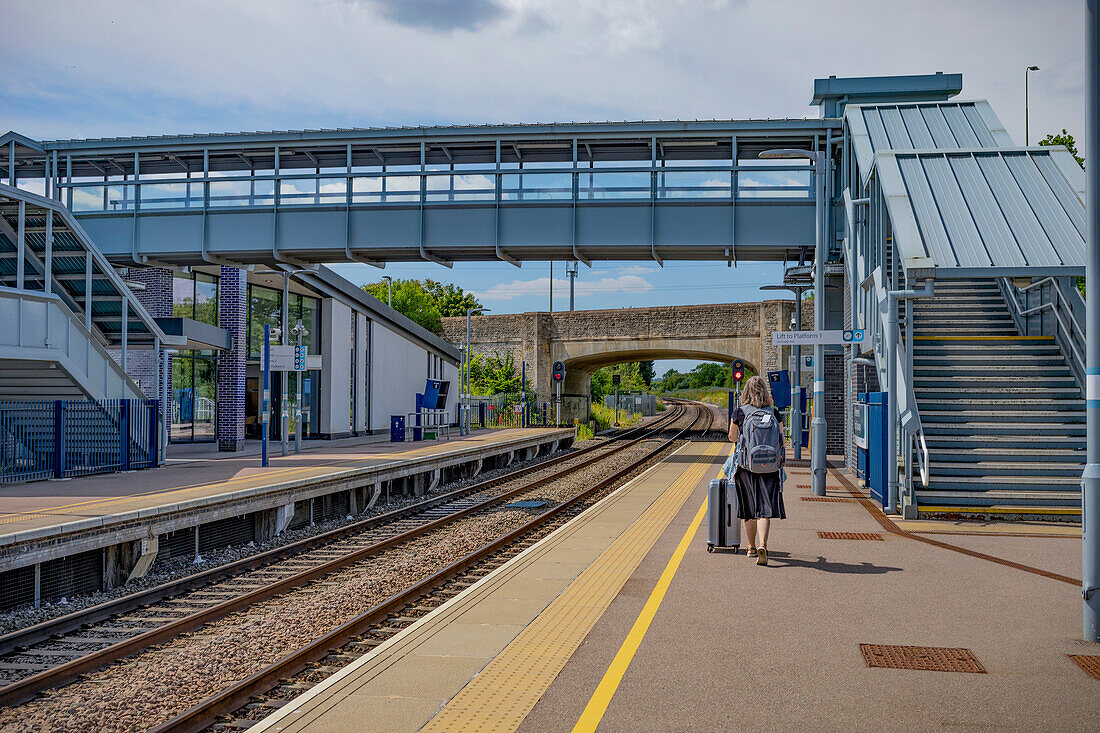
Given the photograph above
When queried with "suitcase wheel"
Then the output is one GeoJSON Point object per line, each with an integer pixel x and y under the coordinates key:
{"type": "Point", "coordinates": [710, 548]}
{"type": "Point", "coordinates": [736, 549]}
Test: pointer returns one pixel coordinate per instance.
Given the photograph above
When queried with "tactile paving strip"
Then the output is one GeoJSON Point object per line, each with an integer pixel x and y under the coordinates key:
{"type": "Point", "coordinates": [840, 499]}
{"type": "Point", "coordinates": [849, 536]}
{"type": "Point", "coordinates": [926, 658]}
{"type": "Point", "coordinates": [503, 693]}
{"type": "Point", "coordinates": [1088, 662]}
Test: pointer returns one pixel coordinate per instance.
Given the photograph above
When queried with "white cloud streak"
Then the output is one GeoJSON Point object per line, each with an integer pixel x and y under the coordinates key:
{"type": "Point", "coordinates": [539, 287]}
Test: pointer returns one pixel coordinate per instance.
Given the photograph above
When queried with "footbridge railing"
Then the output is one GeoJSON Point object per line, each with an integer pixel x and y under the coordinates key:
{"type": "Point", "coordinates": [1051, 306]}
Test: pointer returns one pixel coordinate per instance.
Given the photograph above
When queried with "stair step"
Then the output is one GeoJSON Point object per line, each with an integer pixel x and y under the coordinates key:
{"type": "Point", "coordinates": [1058, 371]}
{"type": "Point", "coordinates": [947, 377]}
{"type": "Point", "coordinates": [966, 483]}
{"type": "Point", "coordinates": [1005, 428]}
{"type": "Point", "coordinates": [1075, 405]}
{"type": "Point", "coordinates": [976, 361]}
{"type": "Point", "coordinates": [997, 416]}
{"type": "Point", "coordinates": [1004, 501]}
{"type": "Point", "coordinates": [989, 393]}
{"type": "Point", "coordinates": [995, 470]}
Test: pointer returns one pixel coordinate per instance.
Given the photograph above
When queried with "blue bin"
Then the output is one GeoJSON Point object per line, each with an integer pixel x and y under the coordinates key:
{"type": "Point", "coordinates": [870, 438]}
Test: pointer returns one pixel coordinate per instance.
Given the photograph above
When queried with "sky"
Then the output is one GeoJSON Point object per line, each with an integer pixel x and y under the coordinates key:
{"type": "Point", "coordinates": [111, 68]}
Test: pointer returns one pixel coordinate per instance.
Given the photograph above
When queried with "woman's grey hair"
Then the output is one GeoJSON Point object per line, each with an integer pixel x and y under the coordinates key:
{"type": "Point", "coordinates": [757, 393]}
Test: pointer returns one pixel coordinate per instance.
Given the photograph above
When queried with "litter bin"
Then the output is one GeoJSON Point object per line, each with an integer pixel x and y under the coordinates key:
{"type": "Point", "coordinates": [869, 425]}
{"type": "Point", "coordinates": [397, 428]}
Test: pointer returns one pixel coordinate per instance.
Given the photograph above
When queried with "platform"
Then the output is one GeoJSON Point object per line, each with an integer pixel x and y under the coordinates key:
{"type": "Point", "coordinates": [44, 520]}
{"type": "Point", "coordinates": [622, 620]}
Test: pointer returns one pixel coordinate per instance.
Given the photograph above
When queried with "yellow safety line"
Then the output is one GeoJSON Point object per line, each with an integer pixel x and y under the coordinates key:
{"type": "Point", "coordinates": [601, 698]}
{"type": "Point", "coordinates": [262, 479]}
{"type": "Point", "coordinates": [1000, 510]}
{"type": "Point", "coordinates": [503, 693]}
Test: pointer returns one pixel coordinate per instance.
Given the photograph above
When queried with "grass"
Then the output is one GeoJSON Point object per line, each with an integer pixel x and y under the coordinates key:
{"type": "Point", "coordinates": [714, 395]}
{"type": "Point", "coordinates": [604, 417]}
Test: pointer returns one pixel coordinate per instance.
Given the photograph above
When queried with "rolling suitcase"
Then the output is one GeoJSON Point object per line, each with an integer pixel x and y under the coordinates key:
{"type": "Point", "coordinates": [723, 526]}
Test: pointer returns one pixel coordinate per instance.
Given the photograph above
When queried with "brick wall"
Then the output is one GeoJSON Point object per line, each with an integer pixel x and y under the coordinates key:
{"type": "Point", "coordinates": [232, 316]}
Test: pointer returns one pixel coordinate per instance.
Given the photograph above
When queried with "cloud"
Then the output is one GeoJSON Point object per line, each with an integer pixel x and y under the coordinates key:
{"type": "Point", "coordinates": [539, 286]}
{"type": "Point", "coordinates": [440, 15]}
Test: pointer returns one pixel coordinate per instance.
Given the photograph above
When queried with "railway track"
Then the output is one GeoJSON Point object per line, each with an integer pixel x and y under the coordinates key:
{"type": "Point", "coordinates": [55, 652]}
{"type": "Point", "coordinates": [276, 684]}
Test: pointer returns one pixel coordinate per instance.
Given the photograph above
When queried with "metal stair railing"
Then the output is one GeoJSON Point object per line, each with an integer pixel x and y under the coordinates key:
{"type": "Point", "coordinates": [1060, 298]}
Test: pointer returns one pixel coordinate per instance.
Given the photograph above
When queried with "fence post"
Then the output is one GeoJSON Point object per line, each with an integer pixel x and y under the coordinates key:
{"type": "Point", "coordinates": [124, 433]}
{"type": "Point", "coordinates": [58, 438]}
{"type": "Point", "coordinates": [152, 412]}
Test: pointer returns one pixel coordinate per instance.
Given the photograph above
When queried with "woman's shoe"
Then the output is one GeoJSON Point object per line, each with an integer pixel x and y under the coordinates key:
{"type": "Point", "coordinates": [751, 551]}
{"type": "Point", "coordinates": [762, 556]}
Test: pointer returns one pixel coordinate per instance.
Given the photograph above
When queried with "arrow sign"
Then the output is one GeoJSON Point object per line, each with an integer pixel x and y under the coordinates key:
{"type": "Point", "coordinates": [847, 336]}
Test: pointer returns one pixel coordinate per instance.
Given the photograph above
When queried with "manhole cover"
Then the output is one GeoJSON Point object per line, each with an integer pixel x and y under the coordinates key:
{"type": "Point", "coordinates": [529, 504]}
{"type": "Point", "coordinates": [927, 658]}
{"type": "Point", "coordinates": [849, 536]}
{"type": "Point", "coordinates": [1088, 662]}
{"type": "Point", "coordinates": [825, 498]}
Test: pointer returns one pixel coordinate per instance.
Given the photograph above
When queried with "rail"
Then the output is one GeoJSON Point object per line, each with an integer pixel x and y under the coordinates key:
{"type": "Point", "coordinates": [432, 509]}
{"type": "Point", "coordinates": [1050, 306]}
{"type": "Point", "coordinates": [350, 187]}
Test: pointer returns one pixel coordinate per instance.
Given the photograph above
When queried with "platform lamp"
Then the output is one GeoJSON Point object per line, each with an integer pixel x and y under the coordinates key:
{"type": "Point", "coordinates": [818, 426]}
{"type": "Point", "coordinates": [389, 290]}
{"type": "Point", "coordinates": [796, 378]}
{"type": "Point", "coordinates": [1027, 116]}
{"type": "Point", "coordinates": [469, 361]}
{"type": "Point", "coordinates": [285, 331]}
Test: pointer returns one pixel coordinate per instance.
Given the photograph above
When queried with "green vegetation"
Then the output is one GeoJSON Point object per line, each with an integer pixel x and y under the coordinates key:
{"type": "Point", "coordinates": [427, 302]}
{"type": "Point", "coordinates": [637, 376]}
{"type": "Point", "coordinates": [707, 374]}
{"type": "Point", "coordinates": [1064, 138]}
{"type": "Point", "coordinates": [494, 374]}
{"type": "Point", "coordinates": [714, 395]}
{"type": "Point", "coordinates": [604, 417]}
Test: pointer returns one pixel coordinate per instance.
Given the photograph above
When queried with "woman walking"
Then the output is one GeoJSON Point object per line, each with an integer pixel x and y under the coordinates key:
{"type": "Point", "coordinates": [759, 494]}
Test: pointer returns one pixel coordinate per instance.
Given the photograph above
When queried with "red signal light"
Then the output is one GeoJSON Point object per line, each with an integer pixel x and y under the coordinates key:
{"type": "Point", "coordinates": [738, 375]}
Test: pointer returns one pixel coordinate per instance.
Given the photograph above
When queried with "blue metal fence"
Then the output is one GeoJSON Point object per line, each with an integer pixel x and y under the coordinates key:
{"type": "Point", "coordinates": [64, 438]}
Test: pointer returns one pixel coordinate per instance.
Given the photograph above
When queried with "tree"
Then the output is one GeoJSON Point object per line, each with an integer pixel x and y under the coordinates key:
{"type": "Point", "coordinates": [645, 369]}
{"type": "Point", "coordinates": [450, 299]}
{"type": "Point", "coordinates": [425, 302]}
{"type": "Point", "coordinates": [1064, 138]}
{"type": "Point", "coordinates": [494, 374]}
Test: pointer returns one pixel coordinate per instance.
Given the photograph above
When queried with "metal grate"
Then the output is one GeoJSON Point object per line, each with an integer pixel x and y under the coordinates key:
{"type": "Point", "coordinates": [1088, 662]}
{"type": "Point", "coordinates": [926, 658]}
{"type": "Point", "coordinates": [180, 543]}
{"type": "Point", "coordinates": [226, 533]}
{"type": "Point", "coordinates": [850, 536]}
{"type": "Point", "coordinates": [17, 587]}
{"type": "Point", "coordinates": [840, 499]}
{"type": "Point", "coordinates": [301, 515]}
{"type": "Point", "coordinates": [332, 506]}
{"type": "Point", "coordinates": [73, 575]}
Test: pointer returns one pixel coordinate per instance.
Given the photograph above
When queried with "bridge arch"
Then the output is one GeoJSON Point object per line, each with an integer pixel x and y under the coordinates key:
{"type": "Point", "coordinates": [588, 340]}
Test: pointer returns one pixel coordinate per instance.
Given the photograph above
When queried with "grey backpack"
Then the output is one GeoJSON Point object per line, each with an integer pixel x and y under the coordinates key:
{"type": "Point", "coordinates": [761, 449]}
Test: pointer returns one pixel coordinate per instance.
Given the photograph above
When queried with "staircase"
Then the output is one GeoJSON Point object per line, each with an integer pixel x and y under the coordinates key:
{"type": "Point", "coordinates": [1002, 413]}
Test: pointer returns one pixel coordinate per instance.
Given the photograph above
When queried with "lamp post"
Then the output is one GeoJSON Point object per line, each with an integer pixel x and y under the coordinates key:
{"type": "Point", "coordinates": [389, 290]}
{"type": "Point", "coordinates": [1090, 480]}
{"type": "Point", "coordinates": [818, 426]}
{"type": "Point", "coordinates": [1027, 75]}
{"type": "Point", "coordinates": [469, 361]}
{"type": "Point", "coordinates": [796, 378]}
{"type": "Point", "coordinates": [284, 331]}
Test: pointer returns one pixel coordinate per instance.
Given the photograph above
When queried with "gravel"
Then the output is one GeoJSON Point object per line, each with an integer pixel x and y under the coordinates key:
{"type": "Point", "coordinates": [168, 570]}
{"type": "Point", "coordinates": [155, 685]}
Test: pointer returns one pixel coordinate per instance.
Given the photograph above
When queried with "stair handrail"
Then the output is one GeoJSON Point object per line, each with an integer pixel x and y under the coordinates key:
{"type": "Point", "coordinates": [1067, 334]}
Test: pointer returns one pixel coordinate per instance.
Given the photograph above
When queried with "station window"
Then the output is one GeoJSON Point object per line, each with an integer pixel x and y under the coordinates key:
{"type": "Point", "coordinates": [194, 373]}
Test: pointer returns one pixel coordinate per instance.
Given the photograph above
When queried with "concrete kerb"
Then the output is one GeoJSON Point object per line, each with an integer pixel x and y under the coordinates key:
{"type": "Point", "coordinates": [134, 525]}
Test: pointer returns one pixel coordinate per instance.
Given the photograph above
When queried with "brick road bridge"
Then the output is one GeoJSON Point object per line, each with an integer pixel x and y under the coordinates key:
{"type": "Point", "coordinates": [591, 339]}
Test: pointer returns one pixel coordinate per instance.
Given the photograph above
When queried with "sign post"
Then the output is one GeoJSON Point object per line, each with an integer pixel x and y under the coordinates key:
{"type": "Point", "coordinates": [265, 408]}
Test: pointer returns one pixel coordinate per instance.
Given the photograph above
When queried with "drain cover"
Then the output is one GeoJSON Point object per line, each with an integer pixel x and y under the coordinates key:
{"type": "Point", "coordinates": [825, 498]}
{"type": "Point", "coordinates": [849, 536]}
{"type": "Point", "coordinates": [927, 658]}
{"type": "Point", "coordinates": [529, 504]}
{"type": "Point", "coordinates": [1088, 662]}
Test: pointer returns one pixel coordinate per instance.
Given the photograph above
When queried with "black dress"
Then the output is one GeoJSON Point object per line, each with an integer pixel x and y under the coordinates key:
{"type": "Point", "coordinates": [759, 495]}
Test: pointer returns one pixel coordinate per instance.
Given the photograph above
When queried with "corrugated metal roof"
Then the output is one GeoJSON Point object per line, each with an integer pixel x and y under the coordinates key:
{"type": "Point", "coordinates": [922, 126]}
{"type": "Point", "coordinates": [983, 212]}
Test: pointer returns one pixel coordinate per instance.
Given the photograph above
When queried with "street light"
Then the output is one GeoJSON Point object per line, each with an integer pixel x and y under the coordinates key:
{"type": "Point", "coordinates": [285, 331]}
{"type": "Point", "coordinates": [465, 428]}
{"type": "Point", "coordinates": [818, 426]}
{"type": "Point", "coordinates": [389, 290]}
{"type": "Point", "coordinates": [1027, 75]}
{"type": "Point", "coordinates": [796, 378]}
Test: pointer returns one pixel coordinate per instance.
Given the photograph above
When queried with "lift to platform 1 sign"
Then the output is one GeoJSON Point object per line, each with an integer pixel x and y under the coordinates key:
{"type": "Point", "coordinates": [847, 336]}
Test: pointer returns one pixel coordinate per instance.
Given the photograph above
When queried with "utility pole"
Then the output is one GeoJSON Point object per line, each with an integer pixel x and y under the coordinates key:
{"type": "Point", "coordinates": [571, 271]}
{"type": "Point", "coordinates": [1027, 114]}
{"type": "Point", "coordinates": [551, 286]}
{"type": "Point", "coordinates": [389, 290]}
{"type": "Point", "coordinates": [1090, 480]}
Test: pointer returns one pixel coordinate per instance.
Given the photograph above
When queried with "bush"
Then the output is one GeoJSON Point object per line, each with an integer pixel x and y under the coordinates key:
{"type": "Point", "coordinates": [605, 417]}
